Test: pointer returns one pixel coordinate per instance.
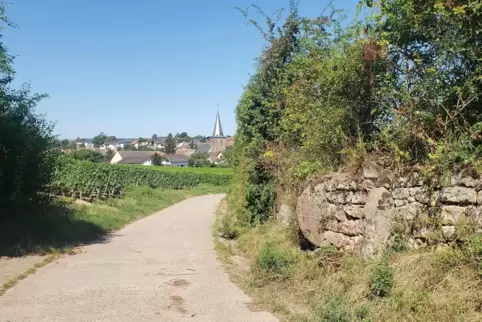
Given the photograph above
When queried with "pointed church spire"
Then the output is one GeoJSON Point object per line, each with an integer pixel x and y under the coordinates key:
{"type": "Point", "coordinates": [218, 129]}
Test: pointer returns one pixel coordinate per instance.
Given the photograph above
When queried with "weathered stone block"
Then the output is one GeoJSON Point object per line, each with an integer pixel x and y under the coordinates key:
{"type": "Point", "coordinates": [479, 198]}
{"type": "Point", "coordinates": [285, 214]}
{"type": "Point", "coordinates": [452, 214]}
{"type": "Point", "coordinates": [401, 193]}
{"type": "Point", "coordinates": [337, 197]}
{"type": "Point", "coordinates": [411, 199]}
{"type": "Point", "coordinates": [337, 239]}
{"type": "Point", "coordinates": [351, 227]}
{"type": "Point", "coordinates": [385, 179]}
{"type": "Point", "coordinates": [311, 211]}
{"type": "Point", "coordinates": [356, 198]}
{"type": "Point", "coordinates": [448, 231]}
{"type": "Point", "coordinates": [409, 211]}
{"type": "Point", "coordinates": [370, 170]}
{"type": "Point", "coordinates": [465, 180]}
{"type": "Point", "coordinates": [400, 203]}
{"type": "Point", "coordinates": [459, 195]}
{"type": "Point", "coordinates": [333, 226]}
{"type": "Point", "coordinates": [354, 211]}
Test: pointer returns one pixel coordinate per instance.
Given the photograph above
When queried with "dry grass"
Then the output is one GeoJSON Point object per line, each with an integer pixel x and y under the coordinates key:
{"type": "Point", "coordinates": [330, 286]}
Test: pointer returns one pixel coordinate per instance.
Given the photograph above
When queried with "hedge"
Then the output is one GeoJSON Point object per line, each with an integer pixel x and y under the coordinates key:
{"type": "Point", "coordinates": [88, 179]}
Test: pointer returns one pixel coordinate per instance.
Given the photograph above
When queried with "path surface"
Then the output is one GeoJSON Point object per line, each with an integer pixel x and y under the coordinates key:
{"type": "Point", "coordinates": [161, 268]}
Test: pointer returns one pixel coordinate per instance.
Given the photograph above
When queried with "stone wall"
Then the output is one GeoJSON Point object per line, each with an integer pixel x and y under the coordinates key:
{"type": "Point", "coordinates": [359, 212]}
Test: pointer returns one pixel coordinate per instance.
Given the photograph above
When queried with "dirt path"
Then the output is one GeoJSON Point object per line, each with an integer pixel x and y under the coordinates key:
{"type": "Point", "coordinates": [161, 268]}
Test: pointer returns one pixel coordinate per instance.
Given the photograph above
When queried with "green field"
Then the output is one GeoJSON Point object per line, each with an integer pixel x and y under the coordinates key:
{"type": "Point", "coordinates": [100, 180]}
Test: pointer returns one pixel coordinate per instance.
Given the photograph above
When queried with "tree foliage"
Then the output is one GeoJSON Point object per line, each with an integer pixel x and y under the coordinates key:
{"type": "Point", "coordinates": [88, 155]}
{"type": "Point", "coordinates": [170, 145]}
{"type": "Point", "coordinates": [404, 83]}
{"type": "Point", "coordinates": [27, 156]}
{"type": "Point", "coordinates": [199, 160]}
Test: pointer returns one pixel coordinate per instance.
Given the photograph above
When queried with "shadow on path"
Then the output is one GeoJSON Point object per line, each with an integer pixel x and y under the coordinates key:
{"type": "Point", "coordinates": [36, 229]}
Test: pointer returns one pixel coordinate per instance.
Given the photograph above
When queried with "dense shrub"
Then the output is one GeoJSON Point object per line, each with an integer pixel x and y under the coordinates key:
{"type": "Point", "coordinates": [99, 179]}
{"type": "Point", "coordinates": [26, 140]}
{"type": "Point", "coordinates": [403, 83]}
{"type": "Point", "coordinates": [381, 280]}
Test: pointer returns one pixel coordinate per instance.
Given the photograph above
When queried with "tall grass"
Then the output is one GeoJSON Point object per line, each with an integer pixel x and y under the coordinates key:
{"type": "Point", "coordinates": [327, 285]}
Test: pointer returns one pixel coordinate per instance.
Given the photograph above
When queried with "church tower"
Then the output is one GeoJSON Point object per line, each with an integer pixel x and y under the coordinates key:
{"type": "Point", "coordinates": [218, 129]}
{"type": "Point", "coordinates": [217, 140]}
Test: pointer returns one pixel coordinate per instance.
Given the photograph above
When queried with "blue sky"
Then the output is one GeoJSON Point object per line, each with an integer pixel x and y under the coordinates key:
{"type": "Point", "coordinates": [134, 68]}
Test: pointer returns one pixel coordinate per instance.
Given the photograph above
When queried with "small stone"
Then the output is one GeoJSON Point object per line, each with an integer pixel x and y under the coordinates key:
{"type": "Point", "coordinates": [336, 197]}
{"type": "Point", "coordinates": [411, 199]}
{"type": "Point", "coordinates": [448, 231]}
{"type": "Point", "coordinates": [413, 244]}
{"type": "Point", "coordinates": [470, 182]}
{"type": "Point", "coordinates": [333, 226]}
{"type": "Point", "coordinates": [351, 227]}
{"type": "Point", "coordinates": [400, 203]}
{"type": "Point", "coordinates": [421, 233]}
{"type": "Point", "coordinates": [368, 184]}
{"type": "Point", "coordinates": [337, 239]}
{"type": "Point", "coordinates": [370, 170]}
{"type": "Point", "coordinates": [452, 214]}
{"type": "Point", "coordinates": [409, 211]}
{"type": "Point", "coordinates": [459, 195]}
{"type": "Point", "coordinates": [385, 179]}
{"type": "Point", "coordinates": [357, 198]}
{"type": "Point", "coordinates": [354, 211]}
{"type": "Point", "coordinates": [343, 186]}
{"type": "Point", "coordinates": [401, 193]}
{"type": "Point", "coordinates": [479, 197]}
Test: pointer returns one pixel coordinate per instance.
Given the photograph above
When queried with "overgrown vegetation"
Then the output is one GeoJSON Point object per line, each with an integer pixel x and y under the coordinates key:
{"type": "Point", "coordinates": [26, 139]}
{"type": "Point", "coordinates": [329, 285]}
{"type": "Point", "coordinates": [87, 179]}
{"type": "Point", "coordinates": [403, 84]}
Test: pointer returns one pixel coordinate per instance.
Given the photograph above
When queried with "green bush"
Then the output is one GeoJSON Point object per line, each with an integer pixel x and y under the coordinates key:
{"type": "Point", "coordinates": [99, 179]}
{"type": "Point", "coordinates": [334, 310]}
{"type": "Point", "coordinates": [275, 261]}
{"type": "Point", "coordinates": [381, 280]}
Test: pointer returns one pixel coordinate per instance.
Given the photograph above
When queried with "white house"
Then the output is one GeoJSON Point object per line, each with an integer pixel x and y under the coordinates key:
{"type": "Point", "coordinates": [132, 157]}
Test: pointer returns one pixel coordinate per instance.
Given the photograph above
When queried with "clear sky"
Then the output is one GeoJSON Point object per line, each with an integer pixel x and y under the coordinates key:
{"type": "Point", "coordinates": [138, 67]}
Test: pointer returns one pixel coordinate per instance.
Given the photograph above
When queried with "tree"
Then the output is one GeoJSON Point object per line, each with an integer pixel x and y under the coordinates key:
{"type": "Point", "coordinates": [154, 136]}
{"type": "Point", "coordinates": [109, 155]}
{"type": "Point", "coordinates": [100, 139]}
{"type": "Point", "coordinates": [199, 160]}
{"type": "Point", "coordinates": [157, 159]}
{"type": "Point", "coordinates": [228, 155]}
{"type": "Point", "coordinates": [110, 138]}
{"type": "Point", "coordinates": [65, 144]}
{"type": "Point", "coordinates": [170, 145]}
{"type": "Point", "coordinates": [27, 145]}
{"type": "Point", "coordinates": [88, 155]}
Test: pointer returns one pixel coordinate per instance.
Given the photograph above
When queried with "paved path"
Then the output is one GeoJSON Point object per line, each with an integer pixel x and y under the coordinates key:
{"type": "Point", "coordinates": [161, 268]}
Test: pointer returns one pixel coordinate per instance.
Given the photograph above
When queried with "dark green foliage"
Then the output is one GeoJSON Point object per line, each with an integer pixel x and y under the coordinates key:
{"type": "Point", "coordinates": [27, 155]}
{"type": "Point", "coordinates": [170, 145]}
{"type": "Point", "coordinates": [101, 180]}
{"type": "Point", "coordinates": [381, 280]}
{"type": "Point", "coordinates": [88, 155]}
{"type": "Point", "coordinates": [156, 159]}
{"type": "Point", "coordinates": [404, 85]}
{"type": "Point", "coordinates": [199, 160]}
{"type": "Point", "coordinates": [275, 261]}
{"type": "Point", "coordinates": [100, 139]}
{"type": "Point", "coordinates": [109, 154]}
